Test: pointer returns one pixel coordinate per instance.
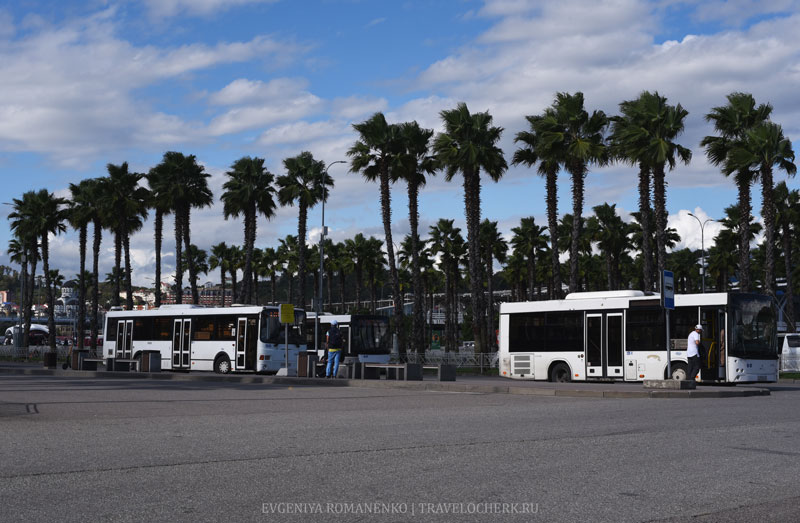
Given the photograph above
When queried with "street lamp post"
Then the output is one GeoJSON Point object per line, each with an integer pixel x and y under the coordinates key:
{"type": "Point", "coordinates": [322, 258]}
{"type": "Point", "coordinates": [702, 248]}
{"type": "Point", "coordinates": [18, 337]}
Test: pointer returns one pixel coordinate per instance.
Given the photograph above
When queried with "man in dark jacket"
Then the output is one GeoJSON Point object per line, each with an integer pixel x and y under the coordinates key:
{"type": "Point", "coordinates": [334, 350]}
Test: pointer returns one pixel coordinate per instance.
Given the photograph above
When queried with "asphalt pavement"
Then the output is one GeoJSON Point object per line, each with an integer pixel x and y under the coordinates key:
{"type": "Point", "coordinates": [79, 448]}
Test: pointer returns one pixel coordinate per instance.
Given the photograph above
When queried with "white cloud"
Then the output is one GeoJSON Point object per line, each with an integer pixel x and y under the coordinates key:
{"type": "Point", "coordinates": [355, 107]}
{"type": "Point", "coordinates": [302, 132]}
{"type": "Point", "coordinates": [166, 8]}
{"type": "Point", "coordinates": [242, 90]}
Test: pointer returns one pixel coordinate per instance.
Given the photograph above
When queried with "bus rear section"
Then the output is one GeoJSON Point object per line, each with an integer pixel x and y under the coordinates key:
{"type": "Point", "coordinates": [366, 337]}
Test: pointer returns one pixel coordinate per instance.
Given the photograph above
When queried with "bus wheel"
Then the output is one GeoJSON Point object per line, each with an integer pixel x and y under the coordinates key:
{"type": "Point", "coordinates": [560, 373]}
{"type": "Point", "coordinates": [222, 365]}
{"type": "Point", "coordinates": [678, 372]}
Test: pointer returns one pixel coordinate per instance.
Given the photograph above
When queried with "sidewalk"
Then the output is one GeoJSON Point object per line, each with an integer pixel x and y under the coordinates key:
{"type": "Point", "coordinates": [464, 384]}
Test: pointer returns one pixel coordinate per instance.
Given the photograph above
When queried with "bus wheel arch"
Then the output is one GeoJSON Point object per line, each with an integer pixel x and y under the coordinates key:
{"type": "Point", "coordinates": [559, 372]}
{"type": "Point", "coordinates": [222, 364]}
{"type": "Point", "coordinates": [679, 371]}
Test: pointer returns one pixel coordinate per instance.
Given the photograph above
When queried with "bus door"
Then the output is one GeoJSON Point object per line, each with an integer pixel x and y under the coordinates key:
{"type": "Point", "coordinates": [604, 345]}
{"type": "Point", "coordinates": [181, 343]}
{"type": "Point", "coordinates": [246, 342]}
{"type": "Point", "coordinates": [124, 337]}
{"type": "Point", "coordinates": [712, 359]}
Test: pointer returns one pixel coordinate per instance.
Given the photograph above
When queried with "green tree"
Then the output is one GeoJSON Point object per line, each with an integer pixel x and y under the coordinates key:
{"type": "Point", "coordinates": [358, 252]}
{"type": "Point", "coordinates": [197, 257]}
{"type": "Point", "coordinates": [81, 209]}
{"type": "Point", "coordinates": [305, 182]}
{"type": "Point", "coordinates": [528, 240]}
{"type": "Point", "coordinates": [732, 122]}
{"type": "Point", "coordinates": [469, 145]}
{"type": "Point", "coordinates": [763, 148]}
{"type": "Point", "coordinates": [248, 193]}
{"type": "Point", "coordinates": [611, 234]}
{"type": "Point", "coordinates": [413, 165]}
{"type": "Point", "coordinates": [219, 260]}
{"type": "Point", "coordinates": [493, 247]}
{"type": "Point", "coordinates": [448, 244]}
{"type": "Point", "coordinates": [372, 156]}
{"type": "Point", "coordinates": [787, 205]}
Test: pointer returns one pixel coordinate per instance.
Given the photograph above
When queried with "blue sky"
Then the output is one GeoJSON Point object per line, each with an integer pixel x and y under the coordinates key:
{"type": "Point", "coordinates": [87, 83]}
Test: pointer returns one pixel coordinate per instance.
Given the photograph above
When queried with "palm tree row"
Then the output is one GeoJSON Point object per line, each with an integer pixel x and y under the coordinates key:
{"type": "Point", "coordinates": [565, 137]}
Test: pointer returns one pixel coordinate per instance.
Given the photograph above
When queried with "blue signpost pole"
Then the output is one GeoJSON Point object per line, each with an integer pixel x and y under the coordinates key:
{"type": "Point", "coordinates": [668, 302]}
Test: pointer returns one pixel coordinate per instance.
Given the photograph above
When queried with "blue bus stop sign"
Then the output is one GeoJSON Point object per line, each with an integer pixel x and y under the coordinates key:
{"type": "Point", "coordinates": [668, 290]}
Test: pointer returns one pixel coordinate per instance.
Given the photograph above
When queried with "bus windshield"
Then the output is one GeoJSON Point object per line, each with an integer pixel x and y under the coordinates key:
{"type": "Point", "coordinates": [274, 333]}
{"type": "Point", "coordinates": [370, 335]}
{"type": "Point", "coordinates": [753, 327]}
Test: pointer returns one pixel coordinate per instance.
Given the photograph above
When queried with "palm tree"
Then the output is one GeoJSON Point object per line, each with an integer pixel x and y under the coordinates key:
{"type": "Point", "coordinates": [529, 239]}
{"type": "Point", "coordinates": [270, 269]}
{"type": "Point", "coordinates": [611, 234]}
{"type": "Point", "coordinates": [80, 216]}
{"type": "Point", "coordinates": [219, 259]}
{"type": "Point", "coordinates": [98, 191]}
{"type": "Point", "coordinates": [197, 257]}
{"type": "Point", "coordinates": [306, 182]}
{"type": "Point", "coordinates": [732, 122]}
{"type": "Point", "coordinates": [248, 192]}
{"type": "Point", "coordinates": [413, 165]}
{"type": "Point", "coordinates": [374, 265]}
{"type": "Point", "coordinates": [234, 262]}
{"type": "Point", "coordinates": [159, 180]}
{"type": "Point", "coordinates": [187, 188]}
{"type": "Point", "coordinates": [536, 151]}
{"type": "Point", "coordinates": [288, 254]}
{"type": "Point", "coordinates": [493, 247]}
{"type": "Point", "coordinates": [358, 252]}
{"type": "Point", "coordinates": [26, 247]}
{"type": "Point", "coordinates": [448, 244]}
{"type": "Point", "coordinates": [373, 155]}
{"type": "Point", "coordinates": [127, 203]}
{"type": "Point", "coordinates": [44, 215]}
{"type": "Point", "coordinates": [787, 204]}
{"type": "Point", "coordinates": [575, 138]}
{"type": "Point", "coordinates": [762, 148]}
{"type": "Point", "coordinates": [467, 145]}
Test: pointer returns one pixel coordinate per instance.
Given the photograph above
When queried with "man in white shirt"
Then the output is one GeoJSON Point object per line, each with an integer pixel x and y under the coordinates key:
{"type": "Point", "coordinates": [693, 352]}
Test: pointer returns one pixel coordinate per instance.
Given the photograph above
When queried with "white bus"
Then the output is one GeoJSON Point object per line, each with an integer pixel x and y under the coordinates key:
{"type": "Point", "coordinates": [191, 337]}
{"type": "Point", "coordinates": [621, 335]}
{"type": "Point", "coordinates": [366, 337]}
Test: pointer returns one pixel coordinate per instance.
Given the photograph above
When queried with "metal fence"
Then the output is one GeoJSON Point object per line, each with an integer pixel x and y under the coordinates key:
{"type": "Point", "coordinates": [34, 352]}
{"type": "Point", "coordinates": [459, 359]}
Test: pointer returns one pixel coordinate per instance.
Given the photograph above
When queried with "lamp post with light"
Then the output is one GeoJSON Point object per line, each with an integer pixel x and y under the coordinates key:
{"type": "Point", "coordinates": [322, 257]}
{"type": "Point", "coordinates": [702, 248]}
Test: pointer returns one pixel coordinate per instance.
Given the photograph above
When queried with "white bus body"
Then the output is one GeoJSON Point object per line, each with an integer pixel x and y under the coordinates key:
{"type": "Point", "coordinates": [621, 335]}
{"type": "Point", "coordinates": [222, 339]}
{"type": "Point", "coordinates": [366, 337]}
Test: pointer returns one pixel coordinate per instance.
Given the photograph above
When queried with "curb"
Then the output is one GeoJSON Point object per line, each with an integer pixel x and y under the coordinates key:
{"type": "Point", "coordinates": [409, 385]}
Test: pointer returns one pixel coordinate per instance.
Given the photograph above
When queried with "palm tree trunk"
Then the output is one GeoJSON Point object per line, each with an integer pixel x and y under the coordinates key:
{"type": "Point", "coordinates": [187, 245]}
{"type": "Point", "coordinates": [273, 289]}
{"type": "Point", "coordinates": [788, 266]}
{"type": "Point", "coordinates": [245, 292]}
{"type": "Point", "coordinates": [768, 213]}
{"type": "Point", "coordinates": [115, 300]}
{"type": "Point", "coordinates": [386, 212]}
{"type": "Point", "coordinates": [82, 285]}
{"type": "Point", "coordinates": [51, 317]}
{"type": "Point", "coordinates": [159, 230]}
{"type": "Point", "coordinates": [126, 243]}
{"type": "Point", "coordinates": [490, 304]}
{"type": "Point", "coordinates": [98, 235]}
{"type": "Point", "coordinates": [222, 282]}
{"type": "Point", "coordinates": [448, 305]}
{"type": "Point", "coordinates": [552, 224]}
{"type": "Point", "coordinates": [745, 209]}
{"type": "Point", "coordinates": [644, 222]}
{"type": "Point", "coordinates": [578, 173]}
{"type": "Point", "coordinates": [301, 243]}
{"type": "Point", "coordinates": [342, 281]}
{"type": "Point", "coordinates": [358, 276]}
{"type": "Point", "coordinates": [472, 199]}
{"type": "Point", "coordinates": [531, 276]}
{"type": "Point", "coordinates": [178, 257]}
{"type": "Point", "coordinates": [31, 255]}
{"type": "Point", "coordinates": [660, 204]}
{"type": "Point", "coordinates": [417, 320]}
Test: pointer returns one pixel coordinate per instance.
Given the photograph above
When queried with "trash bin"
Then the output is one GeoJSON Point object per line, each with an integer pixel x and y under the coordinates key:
{"type": "Point", "coordinates": [311, 364]}
{"type": "Point", "coordinates": [77, 358]}
{"type": "Point", "coordinates": [50, 359]}
{"type": "Point", "coordinates": [151, 361]}
{"type": "Point", "coordinates": [302, 364]}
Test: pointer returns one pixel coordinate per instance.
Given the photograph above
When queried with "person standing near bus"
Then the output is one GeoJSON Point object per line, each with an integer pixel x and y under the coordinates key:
{"type": "Point", "coordinates": [334, 350]}
{"type": "Point", "coordinates": [693, 352]}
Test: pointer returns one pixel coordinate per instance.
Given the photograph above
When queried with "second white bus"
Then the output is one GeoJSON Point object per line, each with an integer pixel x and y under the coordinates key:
{"type": "Point", "coordinates": [621, 335]}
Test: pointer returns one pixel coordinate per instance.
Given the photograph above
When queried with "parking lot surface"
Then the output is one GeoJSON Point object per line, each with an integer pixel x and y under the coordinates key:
{"type": "Point", "coordinates": [128, 450]}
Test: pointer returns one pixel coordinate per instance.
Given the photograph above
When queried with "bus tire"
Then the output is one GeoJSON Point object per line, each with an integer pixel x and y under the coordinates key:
{"type": "Point", "coordinates": [222, 365]}
{"type": "Point", "coordinates": [679, 371]}
{"type": "Point", "coordinates": [559, 373]}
